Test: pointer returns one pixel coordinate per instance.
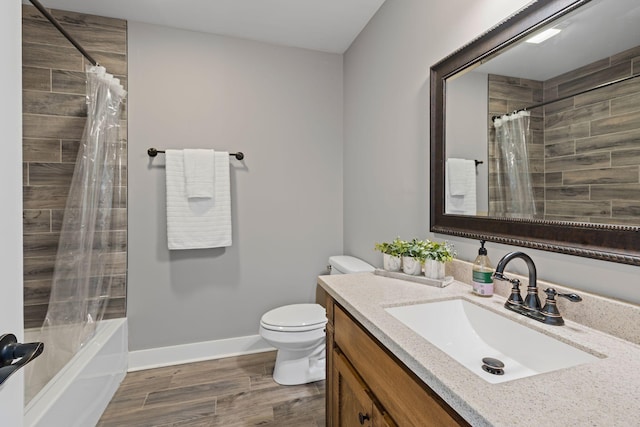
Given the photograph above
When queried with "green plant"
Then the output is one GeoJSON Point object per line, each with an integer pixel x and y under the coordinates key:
{"type": "Point", "coordinates": [439, 251]}
{"type": "Point", "coordinates": [394, 248]}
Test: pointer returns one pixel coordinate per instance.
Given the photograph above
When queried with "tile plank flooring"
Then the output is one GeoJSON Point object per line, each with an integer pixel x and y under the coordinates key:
{"type": "Point", "coordinates": [235, 391]}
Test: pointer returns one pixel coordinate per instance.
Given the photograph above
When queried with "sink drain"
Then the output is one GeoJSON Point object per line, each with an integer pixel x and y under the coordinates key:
{"type": "Point", "coordinates": [492, 366]}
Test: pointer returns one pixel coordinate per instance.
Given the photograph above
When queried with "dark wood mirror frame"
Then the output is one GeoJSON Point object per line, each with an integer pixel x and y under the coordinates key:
{"type": "Point", "coordinates": [600, 241]}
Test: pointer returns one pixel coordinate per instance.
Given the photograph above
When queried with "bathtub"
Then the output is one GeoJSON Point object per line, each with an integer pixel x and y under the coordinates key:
{"type": "Point", "coordinates": [80, 392]}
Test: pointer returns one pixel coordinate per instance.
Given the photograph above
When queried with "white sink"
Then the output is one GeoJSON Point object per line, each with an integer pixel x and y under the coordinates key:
{"type": "Point", "coordinates": [468, 333]}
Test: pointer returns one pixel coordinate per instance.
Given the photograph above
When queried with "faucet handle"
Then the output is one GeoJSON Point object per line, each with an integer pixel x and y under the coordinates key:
{"type": "Point", "coordinates": [515, 299]}
{"type": "Point", "coordinates": [550, 310]}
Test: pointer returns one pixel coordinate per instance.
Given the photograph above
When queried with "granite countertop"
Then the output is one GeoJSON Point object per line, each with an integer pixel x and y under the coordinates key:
{"type": "Point", "coordinates": [601, 393]}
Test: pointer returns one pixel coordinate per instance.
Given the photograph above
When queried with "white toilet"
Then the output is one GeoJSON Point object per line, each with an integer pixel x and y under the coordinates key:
{"type": "Point", "coordinates": [298, 332]}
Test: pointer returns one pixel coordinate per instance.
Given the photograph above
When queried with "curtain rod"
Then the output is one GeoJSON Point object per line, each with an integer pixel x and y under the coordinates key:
{"type": "Point", "coordinates": [64, 32]}
{"type": "Point", "coordinates": [152, 152]}
{"type": "Point", "coordinates": [600, 86]}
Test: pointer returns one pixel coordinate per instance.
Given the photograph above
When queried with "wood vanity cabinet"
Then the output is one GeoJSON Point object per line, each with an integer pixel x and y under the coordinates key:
{"type": "Point", "coordinates": [368, 386]}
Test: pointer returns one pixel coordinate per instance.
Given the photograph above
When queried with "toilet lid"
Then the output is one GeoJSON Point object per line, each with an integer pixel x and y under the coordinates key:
{"type": "Point", "coordinates": [295, 317]}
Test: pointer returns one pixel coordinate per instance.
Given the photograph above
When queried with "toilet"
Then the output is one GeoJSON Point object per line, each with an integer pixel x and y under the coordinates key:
{"type": "Point", "coordinates": [297, 331]}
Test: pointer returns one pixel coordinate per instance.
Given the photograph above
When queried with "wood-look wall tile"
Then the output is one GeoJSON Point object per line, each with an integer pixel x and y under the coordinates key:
{"type": "Point", "coordinates": [624, 175]}
{"type": "Point", "coordinates": [625, 157]}
{"type": "Point", "coordinates": [115, 308]}
{"type": "Point", "coordinates": [41, 150]}
{"type": "Point", "coordinates": [37, 126]}
{"type": "Point", "coordinates": [568, 218]}
{"type": "Point", "coordinates": [68, 82]}
{"type": "Point", "coordinates": [36, 79]}
{"type": "Point", "coordinates": [626, 55]}
{"type": "Point", "coordinates": [557, 107]}
{"type": "Point", "coordinates": [626, 104]}
{"type": "Point", "coordinates": [627, 209]}
{"type": "Point", "coordinates": [91, 21]}
{"type": "Point", "coordinates": [581, 208]}
{"type": "Point", "coordinates": [578, 192]}
{"type": "Point", "coordinates": [615, 91]}
{"type": "Point", "coordinates": [54, 104]}
{"type": "Point", "coordinates": [70, 150]}
{"type": "Point", "coordinates": [115, 63]}
{"type": "Point", "coordinates": [619, 123]}
{"type": "Point", "coordinates": [583, 114]}
{"type": "Point", "coordinates": [553, 178]}
{"type": "Point", "coordinates": [38, 268]}
{"type": "Point", "coordinates": [34, 315]}
{"type": "Point", "coordinates": [47, 56]}
{"type": "Point", "coordinates": [497, 106]}
{"type": "Point", "coordinates": [510, 92]}
{"type": "Point", "coordinates": [45, 197]}
{"type": "Point", "coordinates": [36, 292]}
{"type": "Point", "coordinates": [41, 244]}
{"type": "Point", "coordinates": [577, 73]}
{"type": "Point", "coordinates": [51, 173]}
{"type": "Point", "coordinates": [609, 142]}
{"type": "Point", "coordinates": [615, 192]}
{"type": "Point", "coordinates": [578, 162]}
{"type": "Point", "coordinates": [504, 79]}
{"type": "Point", "coordinates": [566, 148]}
{"type": "Point", "coordinates": [36, 220]}
{"type": "Point", "coordinates": [564, 133]}
{"type": "Point", "coordinates": [614, 220]}
{"type": "Point", "coordinates": [25, 173]}
{"type": "Point", "coordinates": [594, 79]}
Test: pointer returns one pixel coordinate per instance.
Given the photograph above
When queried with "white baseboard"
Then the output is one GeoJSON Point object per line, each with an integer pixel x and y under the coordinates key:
{"type": "Point", "coordinates": [196, 352]}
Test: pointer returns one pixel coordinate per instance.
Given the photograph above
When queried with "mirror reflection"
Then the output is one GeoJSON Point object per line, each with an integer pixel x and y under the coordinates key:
{"type": "Point", "coordinates": [554, 123]}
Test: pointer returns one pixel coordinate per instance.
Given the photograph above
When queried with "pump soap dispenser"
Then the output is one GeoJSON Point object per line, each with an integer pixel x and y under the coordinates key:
{"type": "Point", "coordinates": [482, 281]}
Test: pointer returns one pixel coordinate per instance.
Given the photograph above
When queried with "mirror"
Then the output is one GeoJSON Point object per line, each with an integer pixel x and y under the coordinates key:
{"type": "Point", "coordinates": [564, 174]}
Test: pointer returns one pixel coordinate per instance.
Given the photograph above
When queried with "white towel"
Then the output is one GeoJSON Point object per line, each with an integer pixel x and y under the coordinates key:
{"type": "Point", "coordinates": [197, 223]}
{"type": "Point", "coordinates": [199, 173]}
{"type": "Point", "coordinates": [460, 188]}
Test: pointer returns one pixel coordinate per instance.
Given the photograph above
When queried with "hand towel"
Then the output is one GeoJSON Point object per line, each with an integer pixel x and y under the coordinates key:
{"type": "Point", "coordinates": [197, 223]}
{"type": "Point", "coordinates": [199, 173]}
{"type": "Point", "coordinates": [460, 188]}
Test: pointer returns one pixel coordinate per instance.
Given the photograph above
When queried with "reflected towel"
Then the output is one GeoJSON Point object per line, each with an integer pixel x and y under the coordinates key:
{"type": "Point", "coordinates": [199, 173]}
{"type": "Point", "coordinates": [460, 188]}
{"type": "Point", "coordinates": [197, 223]}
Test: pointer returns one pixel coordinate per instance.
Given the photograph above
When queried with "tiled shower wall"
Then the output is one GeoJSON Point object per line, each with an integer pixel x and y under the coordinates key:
{"type": "Point", "coordinates": [508, 94]}
{"type": "Point", "coordinates": [592, 143]}
{"type": "Point", "coordinates": [591, 158]}
{"type": "Point", "coordinates": [54, 114]}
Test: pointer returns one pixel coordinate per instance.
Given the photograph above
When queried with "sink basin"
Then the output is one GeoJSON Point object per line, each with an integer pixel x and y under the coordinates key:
{"type": "Point", "coordinates": [468, 333]}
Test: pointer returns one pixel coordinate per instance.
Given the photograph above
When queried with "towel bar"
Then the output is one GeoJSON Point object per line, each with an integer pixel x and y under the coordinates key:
{"type": "Point", "coordinates": [152, 152]}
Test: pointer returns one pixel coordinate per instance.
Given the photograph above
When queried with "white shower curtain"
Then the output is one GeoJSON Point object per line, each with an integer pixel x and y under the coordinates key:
{"type": "Point", "coordinates": [87, 250]}
{"type": "Point", "coordinates": [513, 178]}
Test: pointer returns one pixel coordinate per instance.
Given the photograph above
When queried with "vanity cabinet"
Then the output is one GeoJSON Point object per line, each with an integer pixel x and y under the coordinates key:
{"type": "Point", "coordinates": [368, 386]}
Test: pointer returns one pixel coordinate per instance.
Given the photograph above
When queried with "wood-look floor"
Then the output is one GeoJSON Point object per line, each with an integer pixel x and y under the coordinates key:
{"type": "Point", "coordinates": [236, 391]}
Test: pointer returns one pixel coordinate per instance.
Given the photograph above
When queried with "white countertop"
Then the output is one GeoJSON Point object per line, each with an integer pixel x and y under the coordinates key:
{"type": "Point", "coordinates": [602, 393]}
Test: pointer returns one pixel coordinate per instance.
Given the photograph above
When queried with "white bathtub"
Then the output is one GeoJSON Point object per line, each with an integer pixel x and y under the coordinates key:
{"type": "Point", "coordinates": [80, 392]}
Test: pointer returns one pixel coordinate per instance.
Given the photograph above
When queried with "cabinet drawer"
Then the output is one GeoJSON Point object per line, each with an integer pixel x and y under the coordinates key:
{"type": "Point", "coordinates": [407, 399]}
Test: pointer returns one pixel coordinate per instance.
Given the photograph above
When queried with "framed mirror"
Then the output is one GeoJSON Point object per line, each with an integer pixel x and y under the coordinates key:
{"type": "Point", "coordinates": [538, 144]}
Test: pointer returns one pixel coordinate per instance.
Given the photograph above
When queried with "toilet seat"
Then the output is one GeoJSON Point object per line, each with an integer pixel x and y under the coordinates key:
{"type": "Point", "coordinates": [295, 318]}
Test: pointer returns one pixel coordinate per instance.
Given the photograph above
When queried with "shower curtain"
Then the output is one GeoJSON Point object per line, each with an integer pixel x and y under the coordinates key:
{"type": "Point", "coordinates": [513, 179]}
{"type": "Point", "coordinates": [87, 250]}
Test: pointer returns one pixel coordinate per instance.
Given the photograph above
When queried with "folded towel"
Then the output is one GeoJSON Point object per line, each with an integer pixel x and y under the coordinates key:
{"type": "Point", "coordinates": [460, 189]}
{"type": "Point", "coordinates": [199, 173]}
{"type": "Point", "coordinates": [200, 222]}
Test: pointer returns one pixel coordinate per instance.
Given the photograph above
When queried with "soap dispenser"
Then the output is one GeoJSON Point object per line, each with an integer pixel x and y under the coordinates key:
{"type": "Point", "coordinates": [482, 281]}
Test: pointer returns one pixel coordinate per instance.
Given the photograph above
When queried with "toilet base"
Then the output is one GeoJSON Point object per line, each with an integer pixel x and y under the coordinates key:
{"type": "Point", "coordinates": [300, 367]}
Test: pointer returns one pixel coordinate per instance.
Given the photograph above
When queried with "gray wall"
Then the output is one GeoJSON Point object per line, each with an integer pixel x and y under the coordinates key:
{"type": "Point", "coordinates": [386, 81]}
{"type": "Point", "coordinates": [282, 107]}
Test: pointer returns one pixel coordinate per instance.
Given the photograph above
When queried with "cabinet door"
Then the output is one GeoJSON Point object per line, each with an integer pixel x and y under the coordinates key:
{"type": "Point", "coordinates": [381, 418]}
{"type": "Point", "coordinates": [353, 407]}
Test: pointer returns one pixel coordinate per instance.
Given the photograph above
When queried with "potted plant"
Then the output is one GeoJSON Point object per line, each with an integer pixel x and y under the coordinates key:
{"type": "Point", "coordinates": [436, 254]}
{"type": "Point", "coordinates": [391, 254]}
{"type": "Point", "coordinates": [413, 257]}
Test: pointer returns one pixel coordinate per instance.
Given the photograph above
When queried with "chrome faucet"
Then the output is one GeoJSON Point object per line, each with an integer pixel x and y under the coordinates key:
{"type": "Point", "coordinates": [531, 307]}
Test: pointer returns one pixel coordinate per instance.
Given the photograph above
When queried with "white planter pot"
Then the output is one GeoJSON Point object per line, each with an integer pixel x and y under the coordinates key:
{"type": "Point", "coordinates": [434, 269]}
{"type": "Point", "coordinates": [391, 263]}
{"type": "Point", "coordinates": [411, 266]}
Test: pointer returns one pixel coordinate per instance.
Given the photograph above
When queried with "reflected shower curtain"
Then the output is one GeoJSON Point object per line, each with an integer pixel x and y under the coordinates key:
{"type": "Point", "coordinates": [86, 250]}
{"type": "Point", "coordinates": [513, 179]}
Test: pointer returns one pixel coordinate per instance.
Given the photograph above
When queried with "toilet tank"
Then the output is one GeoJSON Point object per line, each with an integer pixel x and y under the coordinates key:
{"type": "Point", "coordinates": [344, 264]}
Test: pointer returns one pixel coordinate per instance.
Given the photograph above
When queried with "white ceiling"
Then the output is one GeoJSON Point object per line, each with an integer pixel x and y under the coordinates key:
{"type": "Point", "coordinates": [325, 25]}
{"type": "Point", "coordinates": [595, 31]}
